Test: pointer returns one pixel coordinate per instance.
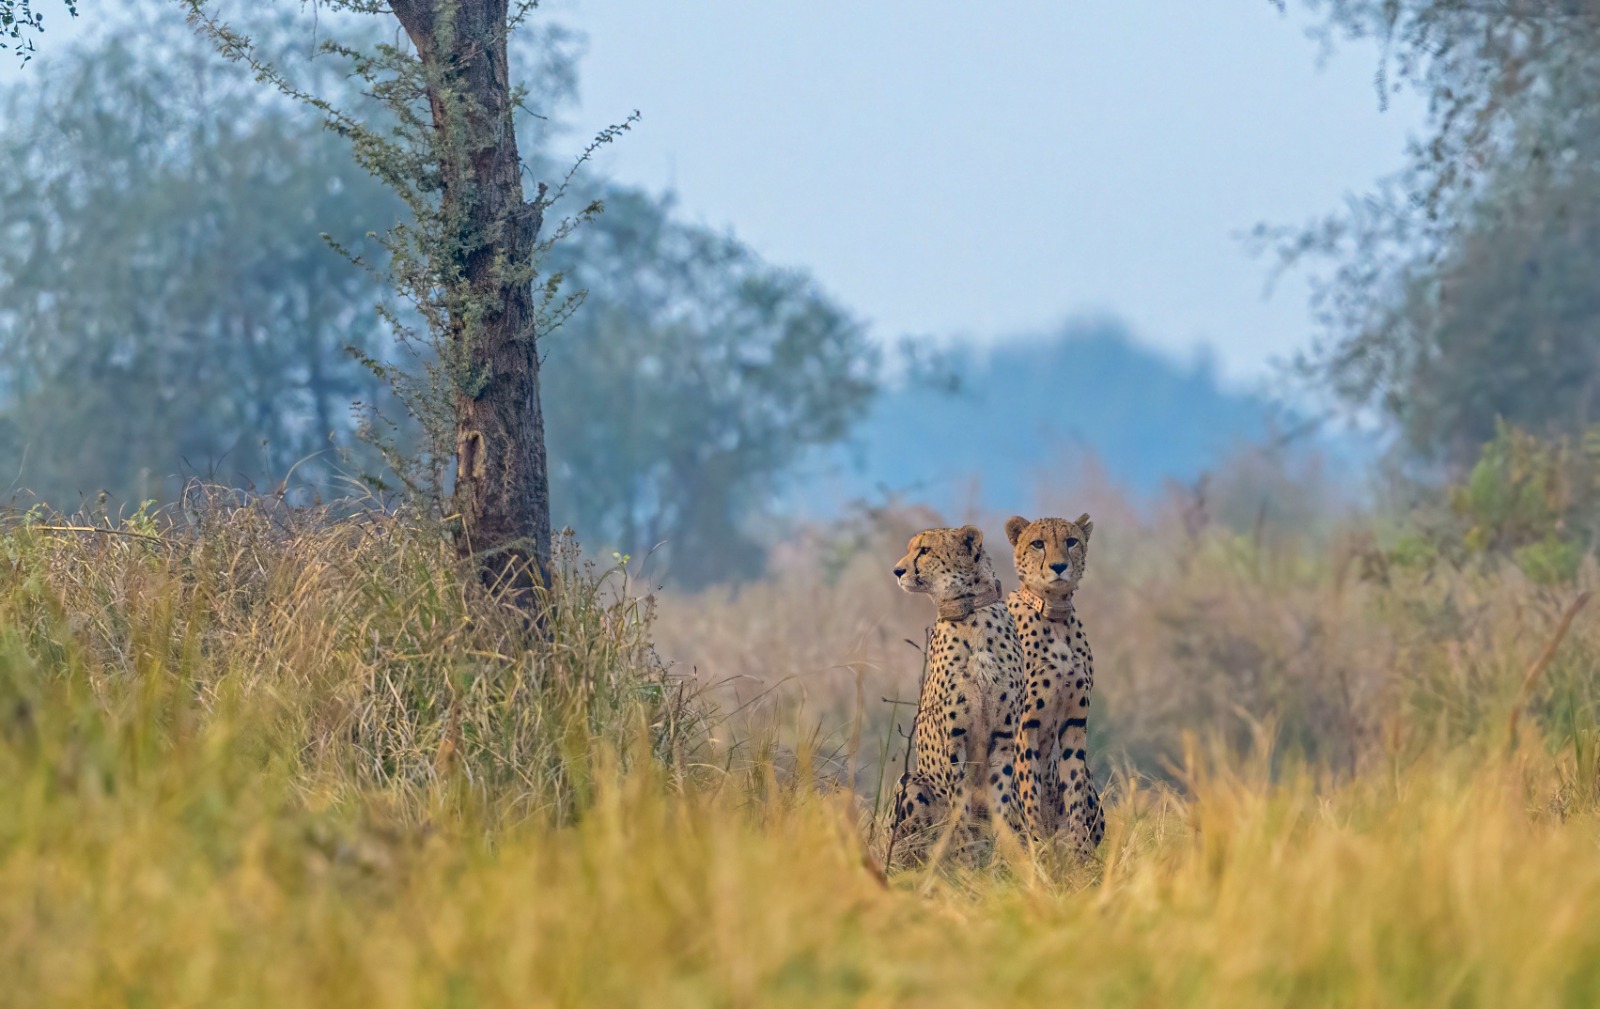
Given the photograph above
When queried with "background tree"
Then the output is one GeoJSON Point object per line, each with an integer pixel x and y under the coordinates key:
{"type": "Point", "coordinates": [166, 305]}
{"type": "Point", "coordinates": [466, 261]}
{"type": "Point", "coordinates": [692, 380]}
{"type": "Point", "coordinates": [482, 258]}
{"type": "Point", "coordinates": [1463, 290]}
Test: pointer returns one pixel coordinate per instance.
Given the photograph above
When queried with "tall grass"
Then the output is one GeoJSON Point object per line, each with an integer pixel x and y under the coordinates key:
{"type": "Point", "coordinates": [350, 649]}
{"type": "Point", "coordinates": [260, 757]}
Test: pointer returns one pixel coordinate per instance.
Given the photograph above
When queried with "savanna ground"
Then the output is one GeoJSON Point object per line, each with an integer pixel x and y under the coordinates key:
{"type": "Point", "coordinates": [261, 757]}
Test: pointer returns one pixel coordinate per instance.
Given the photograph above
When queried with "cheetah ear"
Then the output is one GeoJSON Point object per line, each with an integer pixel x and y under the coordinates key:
{"type": "Point", "coordinates": [1014, 526]}
{"type": "Point", "coordinates": [972, 536]}
{"type": "Point", "coordinates": [1084, 524]}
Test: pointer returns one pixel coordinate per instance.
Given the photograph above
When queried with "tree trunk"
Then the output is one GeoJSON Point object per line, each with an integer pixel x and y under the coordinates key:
{"type": "Point", "coordinates": [502, 491]}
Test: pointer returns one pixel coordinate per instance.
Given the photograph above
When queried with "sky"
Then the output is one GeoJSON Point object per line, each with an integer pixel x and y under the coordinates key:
{"type": "Point", "coordinates": [953, 169]}
{"type": "Point", "coordinates": [958, 170]}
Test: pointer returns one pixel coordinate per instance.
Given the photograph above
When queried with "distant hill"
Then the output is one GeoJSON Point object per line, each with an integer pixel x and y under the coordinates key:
{"type": "Point", "coordinates": [1032, 404]}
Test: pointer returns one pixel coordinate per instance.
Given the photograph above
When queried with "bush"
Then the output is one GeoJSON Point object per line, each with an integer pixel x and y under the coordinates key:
{"type": "Point", "coordinates": [1532, 501]}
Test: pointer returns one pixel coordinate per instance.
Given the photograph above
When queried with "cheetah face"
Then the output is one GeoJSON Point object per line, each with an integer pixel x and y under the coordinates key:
{"type": "Point", "coordinates": [1050, 553]}
{"type": "Point", "coordinates": [945, 563]}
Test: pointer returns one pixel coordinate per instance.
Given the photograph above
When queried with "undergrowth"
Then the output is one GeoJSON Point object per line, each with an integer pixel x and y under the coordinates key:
{"type": "Point", "coordinates": [347, 647]}
{"type": "Point", "coordinates": [255, 756]}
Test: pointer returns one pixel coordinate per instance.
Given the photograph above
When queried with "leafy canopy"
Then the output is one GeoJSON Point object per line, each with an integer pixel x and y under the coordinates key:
{"type": "Point", "coordinates": [1461, 291]}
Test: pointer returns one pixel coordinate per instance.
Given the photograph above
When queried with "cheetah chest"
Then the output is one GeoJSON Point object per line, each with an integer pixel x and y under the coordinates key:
{"type": "Point", "coordinates": [1059, 667]}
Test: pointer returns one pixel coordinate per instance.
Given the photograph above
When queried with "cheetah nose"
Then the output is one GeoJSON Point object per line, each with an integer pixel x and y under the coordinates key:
{"type": "Point", "coordinates": [1058, 568]}
{"type": "Point", "coordinates": [899, 571]}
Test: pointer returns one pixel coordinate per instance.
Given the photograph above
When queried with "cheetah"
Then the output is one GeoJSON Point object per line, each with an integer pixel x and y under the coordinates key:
{"type": "Point", "coordinates": [1059, 794]}
{"type": "Point", "coordinates": [971, 699]}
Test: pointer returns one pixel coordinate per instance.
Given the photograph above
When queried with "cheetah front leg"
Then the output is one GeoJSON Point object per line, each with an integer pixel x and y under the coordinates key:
{"type": "Point", "coordinates": [1036, 766]}
{"type": "Point", "coordinates": [936, 790]}
{"type": "Point", "coordinates": [917, 805]}
{"type": "Point", "coordinates": [1002, 790]}
{"type": "Point", "coordinates": [921, 806]}
{"type": "Point", "coordinates": [1011, 788]}
{"type": "Point", "coordinates": [1077, 802]}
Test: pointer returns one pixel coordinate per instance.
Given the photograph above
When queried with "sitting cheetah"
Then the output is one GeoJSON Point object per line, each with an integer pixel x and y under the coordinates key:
{"type": "Point", "coordinates": [965, 739]}
{"type": "Point", "coordinates": [1059, 794]}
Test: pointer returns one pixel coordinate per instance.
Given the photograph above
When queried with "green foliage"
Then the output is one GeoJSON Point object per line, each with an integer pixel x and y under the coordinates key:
{"type": "Point", "coordinates": [1526, 490]}
{"type": "Point", "coordinates": [1550, 561]}
{"type": "Point", "coordinates": [1532, 500]}
{"type": "Point", "coordinates": [1415, 551]}
{"type": "Point", "coordinates": [1515, 495]}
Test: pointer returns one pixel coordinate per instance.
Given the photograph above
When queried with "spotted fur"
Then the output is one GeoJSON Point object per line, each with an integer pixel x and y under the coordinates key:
{"type": "Point", "coordinates": [965, 739]}
{"type": "Point", "coordinates": [1059, 795]}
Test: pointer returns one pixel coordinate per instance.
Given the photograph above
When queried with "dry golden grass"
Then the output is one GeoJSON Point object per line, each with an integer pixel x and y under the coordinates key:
{"type": "Point", "coordinates": [268, 760]}
{"type": "Point", "coordinates": [1194, 631]}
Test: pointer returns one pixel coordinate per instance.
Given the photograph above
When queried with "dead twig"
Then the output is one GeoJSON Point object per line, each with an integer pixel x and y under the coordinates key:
{"type": "Point", "coordinates": [1536, 670]}
{"type": "Point", "coordinates": [911, 743]}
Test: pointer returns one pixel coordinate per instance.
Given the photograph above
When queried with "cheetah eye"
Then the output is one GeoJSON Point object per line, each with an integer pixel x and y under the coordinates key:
{"type": "Point", "coordinates": [1038, 544]}
{"type": "Point", "coordinates": [922, 551]}
{"type": "Point", "coordinates": [1071, 542]}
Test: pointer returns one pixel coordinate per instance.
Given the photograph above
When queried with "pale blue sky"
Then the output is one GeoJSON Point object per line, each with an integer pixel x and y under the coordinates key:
{"type": "Point", "coordinates": [957, 168]}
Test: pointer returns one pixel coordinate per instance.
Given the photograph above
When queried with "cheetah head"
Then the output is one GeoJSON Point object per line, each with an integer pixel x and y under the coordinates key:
{"type": "Point", "coordinates": [1050, 553]}
{"type": "Point", "coordinates": [946, 563]}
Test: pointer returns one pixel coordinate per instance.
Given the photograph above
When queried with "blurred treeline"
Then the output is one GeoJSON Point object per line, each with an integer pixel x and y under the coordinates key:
{"type": "Point", "coordinates": [170, 309]}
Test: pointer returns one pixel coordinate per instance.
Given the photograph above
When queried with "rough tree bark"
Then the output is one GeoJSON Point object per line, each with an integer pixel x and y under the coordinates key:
{"type": "Point", "coordinates": [502, 491]}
